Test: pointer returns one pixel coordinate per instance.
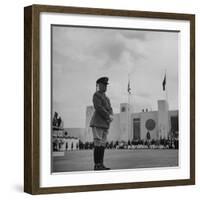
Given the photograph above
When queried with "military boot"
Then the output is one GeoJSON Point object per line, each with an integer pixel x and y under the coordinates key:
{"type": "Point", "coordinates": [102, 149]}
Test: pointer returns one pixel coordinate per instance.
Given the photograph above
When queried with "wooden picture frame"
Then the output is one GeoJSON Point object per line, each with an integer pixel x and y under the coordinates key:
{"type": "Point", "coordinates": [32, 106]}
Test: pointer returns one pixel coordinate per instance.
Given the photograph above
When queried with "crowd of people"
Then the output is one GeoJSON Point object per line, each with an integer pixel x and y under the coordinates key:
{"type": "Point", "coordinates": [135, 144]}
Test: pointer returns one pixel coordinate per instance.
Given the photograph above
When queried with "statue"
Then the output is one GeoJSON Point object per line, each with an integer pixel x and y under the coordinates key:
{"type": "Point", "coordinates": [55, 119]}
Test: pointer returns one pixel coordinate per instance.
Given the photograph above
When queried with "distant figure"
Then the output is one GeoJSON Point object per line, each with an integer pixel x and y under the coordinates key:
{"type": "Point", "coordinates": [148, 136]}
{"type": "Point", "coordinates": [100, 122]}
{"type": "Point", "coordinates": [72, 146]}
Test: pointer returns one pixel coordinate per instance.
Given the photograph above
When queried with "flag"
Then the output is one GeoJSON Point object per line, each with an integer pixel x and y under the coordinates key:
{"type": "Point", "coordinates": [129, 88]}
{"type": "Point", "coordinates": [164, 83]}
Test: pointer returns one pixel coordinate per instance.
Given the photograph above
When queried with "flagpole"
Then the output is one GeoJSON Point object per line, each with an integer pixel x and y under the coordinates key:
{"type": "Point", "coordinates": [166, 86]}
{"type": "Point", "coordinates": [131, 101]}
{"type": "Point", "coordinates": [128, 104]}
{"type": "Point", "coordinates": [166, 91]}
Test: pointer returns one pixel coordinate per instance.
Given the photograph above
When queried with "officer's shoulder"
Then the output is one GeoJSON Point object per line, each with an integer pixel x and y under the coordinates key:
{"type": "Point", "coordinates": [97, 94]}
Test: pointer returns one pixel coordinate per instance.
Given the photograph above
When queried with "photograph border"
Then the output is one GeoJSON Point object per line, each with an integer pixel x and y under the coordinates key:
{"type": "Point", "coordinates": [32, 98]}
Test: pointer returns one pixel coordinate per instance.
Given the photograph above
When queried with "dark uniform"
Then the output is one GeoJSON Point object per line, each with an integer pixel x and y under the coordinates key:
{"type": "Point", "coordinates": [100, 123]}
{"type": "Point", "coordinates": [148, 136]}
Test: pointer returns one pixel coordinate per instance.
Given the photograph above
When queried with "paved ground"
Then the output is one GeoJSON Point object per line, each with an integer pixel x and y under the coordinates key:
{"type": "Point", "coordinates": [116, 159]}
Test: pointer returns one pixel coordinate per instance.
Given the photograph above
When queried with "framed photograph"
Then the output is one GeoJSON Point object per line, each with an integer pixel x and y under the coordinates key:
{"type": "Point", "coordinates": [109, 99]}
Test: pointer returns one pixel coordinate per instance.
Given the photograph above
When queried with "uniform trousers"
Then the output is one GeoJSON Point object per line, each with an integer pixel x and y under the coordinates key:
{"type": "Point", "coordinates": [99, 136]}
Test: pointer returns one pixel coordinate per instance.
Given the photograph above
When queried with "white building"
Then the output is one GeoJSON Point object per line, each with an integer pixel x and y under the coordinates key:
{"type": "Point", "coordinates": [134, 126]}
{"type": "Point", "coordinates": [66, 139]}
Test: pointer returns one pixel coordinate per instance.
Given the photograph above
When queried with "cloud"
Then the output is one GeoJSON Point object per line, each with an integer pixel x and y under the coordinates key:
{"type": "Point", "coordinates": [81, 55]}
{"type": "Point", "coordinates": [134, 35]}
{"type": "Point", "coordinates": [144, 95]}
{"type": "Point", "coordinates": [109, 48]}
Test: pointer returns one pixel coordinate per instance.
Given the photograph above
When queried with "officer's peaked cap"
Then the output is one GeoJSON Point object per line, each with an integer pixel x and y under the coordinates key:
{"type": "Point", "coordinates": [103, 80]}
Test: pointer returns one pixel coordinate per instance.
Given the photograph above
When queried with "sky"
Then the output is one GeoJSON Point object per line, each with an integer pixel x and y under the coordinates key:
{"type": "Point", "coordinates": [80, 55]}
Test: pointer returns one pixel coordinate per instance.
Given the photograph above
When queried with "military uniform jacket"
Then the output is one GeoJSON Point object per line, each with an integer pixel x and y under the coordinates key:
{"type": "Point", "coordinates": [103, 110]}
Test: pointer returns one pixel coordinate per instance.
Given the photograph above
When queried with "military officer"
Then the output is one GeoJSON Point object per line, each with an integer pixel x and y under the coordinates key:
{"type": "Point", "coordinates": [100, 122]}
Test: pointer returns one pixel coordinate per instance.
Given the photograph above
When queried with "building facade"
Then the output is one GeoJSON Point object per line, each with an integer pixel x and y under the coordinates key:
{"type": "Point", "coordinates": [64, 138]}
{"type": "Point", "coordinates": [128, 126]}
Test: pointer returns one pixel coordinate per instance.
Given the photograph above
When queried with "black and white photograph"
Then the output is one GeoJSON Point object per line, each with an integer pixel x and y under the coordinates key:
{"type": "Point", "coordinates": [114, 98]}
{"type": "Point", "coordinates": [109, 99]}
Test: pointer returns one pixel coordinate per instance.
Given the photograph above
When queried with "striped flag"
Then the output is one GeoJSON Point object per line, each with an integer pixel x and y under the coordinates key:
{"type": "Point", "coordinates": [164, 82]}
{"type": "Point", "coordinates": [129, 88]}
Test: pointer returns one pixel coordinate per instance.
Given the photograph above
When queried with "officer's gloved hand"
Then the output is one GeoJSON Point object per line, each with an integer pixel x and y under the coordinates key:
{"type": "Point", "coordinates": [111, 118]}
